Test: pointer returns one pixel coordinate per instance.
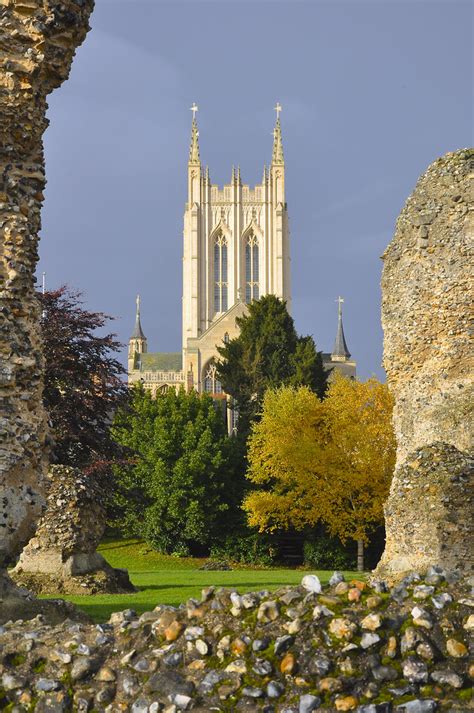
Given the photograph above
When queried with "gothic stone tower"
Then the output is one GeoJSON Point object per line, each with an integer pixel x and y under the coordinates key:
{"type": "Point", "coordinates": [236, 248]}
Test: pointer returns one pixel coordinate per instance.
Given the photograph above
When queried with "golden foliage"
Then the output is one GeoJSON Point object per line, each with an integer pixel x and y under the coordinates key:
{"type": "Point", "coordinates": [325, 460]}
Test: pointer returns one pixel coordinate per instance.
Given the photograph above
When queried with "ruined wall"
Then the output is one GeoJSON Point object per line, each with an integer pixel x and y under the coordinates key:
{"type": "Point", "coordinates": [38, 39]}
{"type": "Point", "coordinates": [427, 287]}
{"type": "Point", "coordinates": [62, 555]}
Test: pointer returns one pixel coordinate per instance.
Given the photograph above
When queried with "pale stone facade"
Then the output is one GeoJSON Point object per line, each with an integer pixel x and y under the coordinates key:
{"type": "Point", "coordinates": [236, 249]}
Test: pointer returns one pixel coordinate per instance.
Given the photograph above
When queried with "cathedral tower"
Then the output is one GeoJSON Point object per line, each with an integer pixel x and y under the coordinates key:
{"type": "Point", "coordinates": [236, 248]}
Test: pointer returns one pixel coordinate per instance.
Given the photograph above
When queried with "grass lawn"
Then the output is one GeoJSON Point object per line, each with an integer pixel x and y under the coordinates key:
{"type": "Point", "coordinates": [162, 579]}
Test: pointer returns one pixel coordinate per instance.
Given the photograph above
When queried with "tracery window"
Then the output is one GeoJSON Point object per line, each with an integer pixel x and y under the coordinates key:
{"type": "Point", "coordinates": [251, 269]}
{"type": "Point", "coordinates": [220, 273]}
{"type": "Point", "coordinates": [234, 418]}
{"type": "Point", "coordinates": [212, 385]}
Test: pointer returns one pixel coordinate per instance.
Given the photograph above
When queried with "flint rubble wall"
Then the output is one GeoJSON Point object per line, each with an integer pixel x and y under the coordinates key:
{"type": "Point", "coordinates": [38, 39]}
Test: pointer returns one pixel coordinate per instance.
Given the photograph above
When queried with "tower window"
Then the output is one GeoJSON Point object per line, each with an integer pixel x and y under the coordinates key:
{"type": "Point", "coordinates": [251, 269]}
{"type": "Point", "coordinates": [212, 385]}
{"type": "Point", "coordinates": [220, 273]}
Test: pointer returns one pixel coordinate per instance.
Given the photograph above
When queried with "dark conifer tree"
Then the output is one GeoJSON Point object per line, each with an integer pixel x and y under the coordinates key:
{"type": "Point", "coordinates": [267, 353]}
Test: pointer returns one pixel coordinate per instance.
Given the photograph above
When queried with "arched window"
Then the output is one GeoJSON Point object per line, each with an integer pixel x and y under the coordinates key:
{"type": "Point", "coordinates": [226, 338]}
{"type": "Point", "coordinates": [251, 269]}
{"type": "Point", "coordinates": [212, 385]}
{"type": "Point", "coordinates": [220, 273]}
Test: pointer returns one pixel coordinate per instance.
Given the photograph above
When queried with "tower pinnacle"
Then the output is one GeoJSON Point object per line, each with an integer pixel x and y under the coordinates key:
{"type": "Point", "coordinates": [277, 156]}
{"type": "Point", "coordinates": [340, 351]}
{"type": "Point", "coordinates": [194, 147]}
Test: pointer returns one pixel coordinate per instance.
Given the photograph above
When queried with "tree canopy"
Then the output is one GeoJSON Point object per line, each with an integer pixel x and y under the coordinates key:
{"type": "Point", "coordinates": [82, 378]}
{"type": "Point", "coordinates": [327, 461]}
{"type": "Point", "coordinates": [267, 353]}
{"type": "Point", "coordinates": [180, 485]}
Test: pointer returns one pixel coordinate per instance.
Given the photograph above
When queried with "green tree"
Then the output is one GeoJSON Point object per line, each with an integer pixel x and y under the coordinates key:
{"type": "Point", "coordinates": [179, 489]}
{"type": "Point", "coordinates": [267, 353]}
{"type": "Point", "coordinates": [308, 367]}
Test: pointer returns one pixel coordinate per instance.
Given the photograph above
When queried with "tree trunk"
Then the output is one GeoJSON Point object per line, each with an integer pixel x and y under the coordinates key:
{"type": "Point", "coordinates": [360, 555]}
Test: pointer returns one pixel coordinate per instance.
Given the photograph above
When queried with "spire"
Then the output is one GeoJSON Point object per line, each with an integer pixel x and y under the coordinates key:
{"type": "Point", "coordinates": [277, 156]}
{"type": "Point", "coordinates": [340, 347]}
{"type": "Point", "coordinates": [194, 156]}
{"type": "Point", "coordinates": [138, 331]}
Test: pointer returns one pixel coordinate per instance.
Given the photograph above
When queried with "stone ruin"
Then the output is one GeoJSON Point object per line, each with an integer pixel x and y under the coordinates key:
{"type": "Point", "coordinates": [38, 39]}
{"type": "Point", "coordinates": [343, 647]}
{"type": "Point", "coordinates": [61, 557]}
{"type": "Point", "coordinates": [349, 647]}
{"type": "Point", "coordinates": [427, 288]}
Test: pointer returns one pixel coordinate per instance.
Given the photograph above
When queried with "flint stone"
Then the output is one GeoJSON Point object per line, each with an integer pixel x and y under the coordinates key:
{"type": "Point", "coordinates": [261, 644]}
{"type": "Point", "coordinates": [275, 689]}
{"type": "Point", "coordinates": [308, 703]}
{"type": "Point", "coordinates": [426, 705]}
{"type": "Point", "coordinates": [447, 677]}
{"type": "Point", "coordinates": [312, 583]}
{"type": "Point", "coordinates": [336, 578]}
{"type": "Point", "coordinates": [415, 671]}
{"type": "Point", "coordinates": [252, 692]}
{"type": "Point", "coordinates": [170, 683]}
{"type": "Point", "coordinates": [47, 684]}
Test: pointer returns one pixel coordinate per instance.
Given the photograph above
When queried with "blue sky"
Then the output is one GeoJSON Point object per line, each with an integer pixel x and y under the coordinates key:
{"type": "Point", "coordinates": [372, 92]}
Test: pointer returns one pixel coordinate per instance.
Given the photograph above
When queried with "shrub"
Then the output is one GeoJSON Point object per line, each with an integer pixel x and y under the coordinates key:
{"type": "Point", "coordinates": [325, 552]}
{"type": "Point", "coordinates": [246, 548]}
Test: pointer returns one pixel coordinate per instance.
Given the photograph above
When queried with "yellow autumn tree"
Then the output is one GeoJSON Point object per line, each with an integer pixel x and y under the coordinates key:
{"type": "Point", "coordinates": [328, 461]}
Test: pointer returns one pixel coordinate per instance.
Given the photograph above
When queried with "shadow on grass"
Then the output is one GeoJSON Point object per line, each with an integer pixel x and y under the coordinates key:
{"type": "Point", "coordinates": [227, 585]}
{"type": "Point", "coordinates": [113, 545]}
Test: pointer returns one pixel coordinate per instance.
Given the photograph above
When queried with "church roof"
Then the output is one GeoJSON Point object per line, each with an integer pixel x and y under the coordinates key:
{"type": "Point", "coordinates": [161, 361]}
{"type": "Point", "coordinates": [340, 346]}
{"type": "Point", "coordinates": [137, 330]}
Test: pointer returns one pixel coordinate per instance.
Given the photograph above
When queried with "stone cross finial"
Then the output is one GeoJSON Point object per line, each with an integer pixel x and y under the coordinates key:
{"type": "Point", "coordinates": [194, 109]}
{"type": "Point", "coordinates": [340, 301]}
{"type": "Point", "coordinates": [278, 108]}
{"type": "Point", "coordinates": [138, 304]}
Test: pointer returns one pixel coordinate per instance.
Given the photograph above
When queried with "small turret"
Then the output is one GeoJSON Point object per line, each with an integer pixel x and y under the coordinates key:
{"type": "Point", "coordinates": [137, 343]}
{"type": "Point", "coordinates": [340, 351]}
